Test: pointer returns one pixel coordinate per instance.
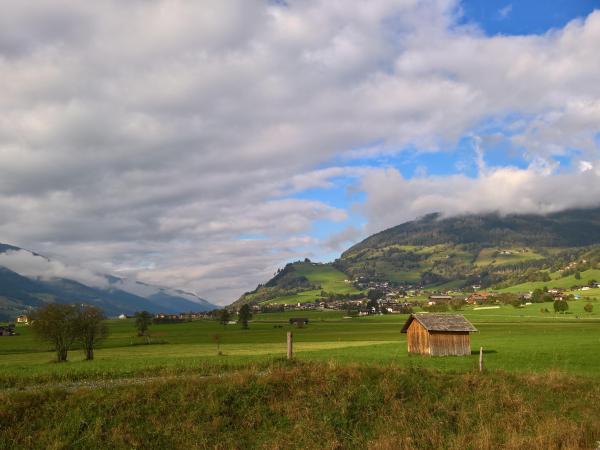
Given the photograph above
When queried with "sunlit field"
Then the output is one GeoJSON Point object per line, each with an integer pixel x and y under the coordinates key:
{"type": "Point", "coordinates": [523, 339]}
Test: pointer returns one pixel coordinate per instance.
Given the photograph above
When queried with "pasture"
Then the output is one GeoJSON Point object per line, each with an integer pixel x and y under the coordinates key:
{"type": "Point", "coordinates": [514, 340]}
{"type": "Point", "coordinates": [351, 385]}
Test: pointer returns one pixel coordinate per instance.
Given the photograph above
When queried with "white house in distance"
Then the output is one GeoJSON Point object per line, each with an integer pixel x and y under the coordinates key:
{"type": "Point", "coordinates": [23, 319]}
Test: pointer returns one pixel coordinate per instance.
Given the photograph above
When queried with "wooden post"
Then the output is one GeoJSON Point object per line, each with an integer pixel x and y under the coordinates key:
{"type": "Point", "coordinates": [481, 359]}
{"type": "Point", "coordinates": [289, 345]}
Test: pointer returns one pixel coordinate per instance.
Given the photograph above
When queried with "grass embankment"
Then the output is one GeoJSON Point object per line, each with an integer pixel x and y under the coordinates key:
{"type": "Point", "coordinates": [312, 405]}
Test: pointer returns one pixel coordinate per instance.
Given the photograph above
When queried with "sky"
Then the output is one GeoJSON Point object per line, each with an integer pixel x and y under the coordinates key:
{"type": "Point", "coordinates": [202, 145]}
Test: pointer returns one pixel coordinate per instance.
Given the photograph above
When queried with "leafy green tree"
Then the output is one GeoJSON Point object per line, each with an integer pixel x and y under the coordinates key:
{"type": "Point", "coordinates": [560, 306]}
{"type": "Point", "coordinates": [546, 276]}
{"type": "Point", "coordinates": [537, 296]}
{"type": "Point", "coordinates": [506, 298]}
{"type": "Point", "coordinates": [143, 319]}
{"type": "Point", "coordinates": [578, 275]}
{"type": "Point", "coordinates": [375, 294]}
{"type": "Point", "coordinates": [56, 324]}
{"type": "Point", "coordinates": [373, 305]}
{"type": "Point", "coordinates": [352, 312]}
{"type": "Point", "coordinates": [90, 328]}
{"type": "Point", "coordinates": [588, 308]}
{"type": "Point", "coordinates": [244, 315]}
{"type": "Point", "coordinates": [457, 304]}
{"type": "Point", "coordinates": [224, 316]}
{"type": "Point", "coordinates": [516, 303]}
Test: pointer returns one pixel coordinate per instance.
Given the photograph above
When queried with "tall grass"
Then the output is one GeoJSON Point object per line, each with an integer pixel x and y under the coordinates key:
{"type": "Point", "coordinates": [312, 405]}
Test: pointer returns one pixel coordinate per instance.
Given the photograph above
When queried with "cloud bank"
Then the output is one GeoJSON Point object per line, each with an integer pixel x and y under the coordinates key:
{"type": "Point", "coordinates": [169, 139]}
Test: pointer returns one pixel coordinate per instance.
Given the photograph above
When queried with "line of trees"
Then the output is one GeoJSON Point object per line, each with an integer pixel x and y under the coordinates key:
{"type": "Point", "coordinates": [64, 326]}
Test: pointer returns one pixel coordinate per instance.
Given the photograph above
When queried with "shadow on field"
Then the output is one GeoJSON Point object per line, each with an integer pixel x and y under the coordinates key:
{"type": "Point", "coordinates": [485, 352]}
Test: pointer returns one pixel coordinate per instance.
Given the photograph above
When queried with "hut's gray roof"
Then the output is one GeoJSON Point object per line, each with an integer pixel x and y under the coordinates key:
{"type": "Point", "coordinates": [440, 322]}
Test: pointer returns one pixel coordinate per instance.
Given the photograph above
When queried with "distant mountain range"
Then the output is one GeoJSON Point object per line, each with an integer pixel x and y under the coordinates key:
{"type": "Point", "coordinates": [22, 289]}
{"type": "Point", "coordinates": [490, 250]}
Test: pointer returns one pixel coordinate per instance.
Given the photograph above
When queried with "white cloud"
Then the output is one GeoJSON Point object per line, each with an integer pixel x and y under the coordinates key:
{"type": "Point", "coordinates": [35, 266]}
{"type": "Point", "coordinates": [342, 239]}
{"type": "Point", "coordinates": [393, 199]}
{"type": "Point", "coordinates": [150, 136]}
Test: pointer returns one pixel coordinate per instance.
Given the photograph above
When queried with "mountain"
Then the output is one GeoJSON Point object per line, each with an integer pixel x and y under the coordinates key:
{"type": "Point", "coordinates": [22, 291]}
{"type": "Point", "coordinates": [436, 252]}
{"type": "Point", "coordinates": [483, 249]}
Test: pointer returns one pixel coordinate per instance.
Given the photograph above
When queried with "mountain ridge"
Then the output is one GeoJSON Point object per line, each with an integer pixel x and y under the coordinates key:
{"type": "Point", "coordinates": [20, 292]}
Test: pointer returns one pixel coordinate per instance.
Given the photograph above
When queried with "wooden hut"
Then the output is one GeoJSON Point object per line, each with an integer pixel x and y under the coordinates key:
{"type": "Point", "coordinates": [299, 321]}
{"type": "Point", "coordinates": [438, 334]}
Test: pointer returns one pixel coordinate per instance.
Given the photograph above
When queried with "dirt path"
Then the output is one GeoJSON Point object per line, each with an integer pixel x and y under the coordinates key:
{"type": "Point", "coordinates": [116, 382]}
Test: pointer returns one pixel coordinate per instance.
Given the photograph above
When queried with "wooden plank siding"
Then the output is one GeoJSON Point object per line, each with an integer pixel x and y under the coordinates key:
{"type": "Point", "coordinates": [418, 339]}
{"type": "Point", "coordinates": [443, 343]}
{"type": "Point", "coordinates": [437, 343]}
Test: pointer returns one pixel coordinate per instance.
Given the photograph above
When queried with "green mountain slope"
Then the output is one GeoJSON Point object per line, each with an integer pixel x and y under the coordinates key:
{"type": "Point", "coordinates": [300, 282]}
{"type": "Point", "coordinates": [486, 250]}
{"type": "Point", "coordinates": [476, 249]}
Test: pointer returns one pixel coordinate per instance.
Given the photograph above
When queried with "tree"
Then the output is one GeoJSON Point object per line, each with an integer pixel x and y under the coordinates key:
{"type": "Point", "coordinates": [588, 308]}
{"type": "Point", "coordinates": [375, 294]}
{"type": "Point", "coordinates": [56, 324]}
{"type": "Point", "coordinates": [143, 319]}
{"type": "Point", "coordinates": [457, 304]}
{"type": "Point", "coordinates": [244, 315]}
{"type": "Point", "coordinates": [90, 328]}
{"type": "Point", "coordinates": [546, 276]}
{"type": "Point", "coordinates": [224, 316]}
{"type": "Point", "coordinates": [217, 340]}
{"type": "Point", "coordinates": [516, 303]}
{"type": "Point", "coordinates": [578, 275]}
{"type": "Point", "coordinates": [373, 305]}
{"type": "Point", "coordinates": [560, 306]}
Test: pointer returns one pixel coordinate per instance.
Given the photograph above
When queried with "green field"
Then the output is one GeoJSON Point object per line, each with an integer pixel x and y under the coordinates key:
{"type": "Point", "coordinates": [523, 339]}
{"type": "Point", "coordinates": [492, 256]}
{"type": "Point", "coordinates": [351, 385]}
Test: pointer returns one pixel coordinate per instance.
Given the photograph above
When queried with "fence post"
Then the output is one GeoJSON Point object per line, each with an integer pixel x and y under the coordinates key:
{"type": "Point", "coordinates": [289, 345]}
{"type": "Point", "coordinates": [481, 359]}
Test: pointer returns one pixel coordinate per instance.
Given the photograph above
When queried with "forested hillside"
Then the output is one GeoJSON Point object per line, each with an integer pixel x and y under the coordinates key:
{"type": "Point", "coordinates": [487, 250]}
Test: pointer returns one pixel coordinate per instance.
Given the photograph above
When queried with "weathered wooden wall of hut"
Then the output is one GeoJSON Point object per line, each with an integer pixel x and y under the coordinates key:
{"type": "Point", "coordinates": [443, 343]}
{"type": "Point", "coordinates": [418, 339]}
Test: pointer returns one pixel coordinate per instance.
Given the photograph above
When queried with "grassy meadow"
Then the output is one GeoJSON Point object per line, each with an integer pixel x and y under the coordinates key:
{"type": "Point", "coordinates": [557, 281]}
{"type": "Point", "coordinates": [351, 385]}
{"type": "Point", "coordinates": [326, 276]}
{"type": "Point", "coordinates": [514, 339]}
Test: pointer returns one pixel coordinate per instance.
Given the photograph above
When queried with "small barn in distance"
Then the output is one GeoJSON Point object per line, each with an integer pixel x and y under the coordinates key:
{"type": "Point", "coordinates": [438, 334]}
{"type": "Point", "coordinates": [299, 321]}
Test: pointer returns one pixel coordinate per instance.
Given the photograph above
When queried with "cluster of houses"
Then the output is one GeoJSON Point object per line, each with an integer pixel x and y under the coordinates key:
{"type": "Point", "coordinates": [8, 330]}
{"type": "Point", "coordinates": [361, 306]}
{"type": "Point", "coordinates": [181, 317]}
